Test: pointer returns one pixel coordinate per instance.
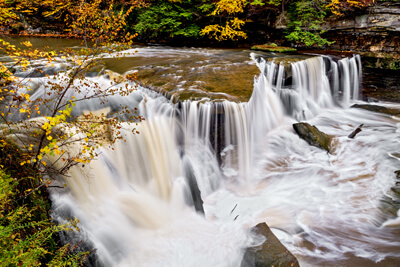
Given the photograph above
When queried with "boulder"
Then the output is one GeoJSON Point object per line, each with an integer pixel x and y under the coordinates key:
{"type": "Point", "coordinates": [379, 109]}
{"type": "Point", "coordinates": [114, 76]}
{"type": "Point", "coordinates": [97, 121]}
{"type": "Point", "coordinates": [312, 135]}
{"type": "Point", "coordinates": [270, 253]}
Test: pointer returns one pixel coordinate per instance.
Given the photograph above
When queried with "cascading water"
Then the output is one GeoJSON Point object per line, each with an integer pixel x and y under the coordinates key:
{"type": "Point", "coordinates": [317, 83]}
{"type": "Point", "coordinates": [248, 166]}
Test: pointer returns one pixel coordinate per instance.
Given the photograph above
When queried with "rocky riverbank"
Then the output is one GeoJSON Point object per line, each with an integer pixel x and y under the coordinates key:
{"type": "Point", "coordinates": [375, 32]}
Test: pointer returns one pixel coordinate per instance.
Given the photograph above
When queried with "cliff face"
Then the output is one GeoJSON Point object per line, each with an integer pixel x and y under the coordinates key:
{"type": "Point", "coordinates": [376, 36]}
{"type": "Point", "coordinates": [376, 32]}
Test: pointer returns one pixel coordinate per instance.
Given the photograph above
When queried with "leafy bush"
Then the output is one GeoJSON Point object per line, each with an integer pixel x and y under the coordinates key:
{"type": "Point", "coordinates": [169, 19]}
{"type": "Point", "coordinates": [308, 38]}
{"type": "Point", "coordinates": [28, 237]}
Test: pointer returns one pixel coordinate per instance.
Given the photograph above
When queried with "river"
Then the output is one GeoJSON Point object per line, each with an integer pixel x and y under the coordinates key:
{"type": "Point", "coordinates": [139, 204]}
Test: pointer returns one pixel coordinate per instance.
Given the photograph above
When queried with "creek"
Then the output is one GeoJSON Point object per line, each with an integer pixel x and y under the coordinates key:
{"type": "Point", "coordinates": [186, 190]}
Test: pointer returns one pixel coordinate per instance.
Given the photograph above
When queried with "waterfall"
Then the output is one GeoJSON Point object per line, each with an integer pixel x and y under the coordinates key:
{"type": "Point", "coordinates": [184, 191]}
{"type": "Point", "coordinates": [181, 156]}
{"type": "Point", "coordinates": [317, 83]}
{"type": "Point", "coordinates": [232, 129]}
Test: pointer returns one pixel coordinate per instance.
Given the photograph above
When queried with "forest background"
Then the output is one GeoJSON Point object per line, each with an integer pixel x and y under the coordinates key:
{"type": "Point", "coordinates": [195, 22]}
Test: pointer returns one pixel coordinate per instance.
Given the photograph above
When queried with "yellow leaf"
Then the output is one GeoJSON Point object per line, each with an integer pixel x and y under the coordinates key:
{"type": "Point", "coordinates": [27, 43]}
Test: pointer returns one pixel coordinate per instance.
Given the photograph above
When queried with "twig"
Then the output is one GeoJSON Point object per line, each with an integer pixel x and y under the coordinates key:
{"type": "Point", "coordinates": [234, 208]}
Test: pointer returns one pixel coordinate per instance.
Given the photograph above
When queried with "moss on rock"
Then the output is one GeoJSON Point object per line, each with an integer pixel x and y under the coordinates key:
{"type": "Point", "coordinates": [273, 48]}
{"type": "Point", "coordinates": [379, 109]}
{"type": "Point", "coordinates": [270, 253]}
{"type": "Point", "coordinates": [312, 135]}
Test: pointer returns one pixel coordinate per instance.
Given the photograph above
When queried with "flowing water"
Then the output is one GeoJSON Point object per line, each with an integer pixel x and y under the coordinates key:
{"type": "Point", "coordinates": [186, 190]}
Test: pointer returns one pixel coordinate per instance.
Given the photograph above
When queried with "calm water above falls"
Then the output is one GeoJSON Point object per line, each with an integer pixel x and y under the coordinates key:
{"type": "Point", "coordinates": [136, 206]}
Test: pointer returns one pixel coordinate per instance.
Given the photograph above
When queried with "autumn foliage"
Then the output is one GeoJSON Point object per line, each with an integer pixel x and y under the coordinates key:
{"type": "Point", "coordinates": [44, 127]}
{"type": "Point", "coordinates": [340, 7]}
{"type": "Point", "coordinates": [224, 20]}
{"type": "Point", "coordinates": [102, 28]}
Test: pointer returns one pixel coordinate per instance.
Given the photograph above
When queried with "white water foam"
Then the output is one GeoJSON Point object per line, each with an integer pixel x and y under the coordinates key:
{"type": "Point", "coordinates": [134, 202]}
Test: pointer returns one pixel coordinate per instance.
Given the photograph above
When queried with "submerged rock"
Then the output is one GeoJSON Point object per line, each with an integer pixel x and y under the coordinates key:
{"type": "Point", "coordinates": [312, 135]}
{"type": "Point", "coordinates": [379, 109]}
{"type": "Point", "coordinates": [270, 253]}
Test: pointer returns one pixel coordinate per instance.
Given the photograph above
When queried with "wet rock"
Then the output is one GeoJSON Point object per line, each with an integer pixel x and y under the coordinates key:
{"type": "Point", "coordinates": [312, 135]}
{"type": "Point", "coordinates": [390, 202]}
{"type": "Point", "coordinates": [380, 84]}
{"type": "Point", "coordinates": [379, 109]}
{"type": "Point", "coordinates": [270, 253]}
{"type": "Point", "coordinates": [195, 194]}
{"type": "Point", "coordinates": [217, 132]}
